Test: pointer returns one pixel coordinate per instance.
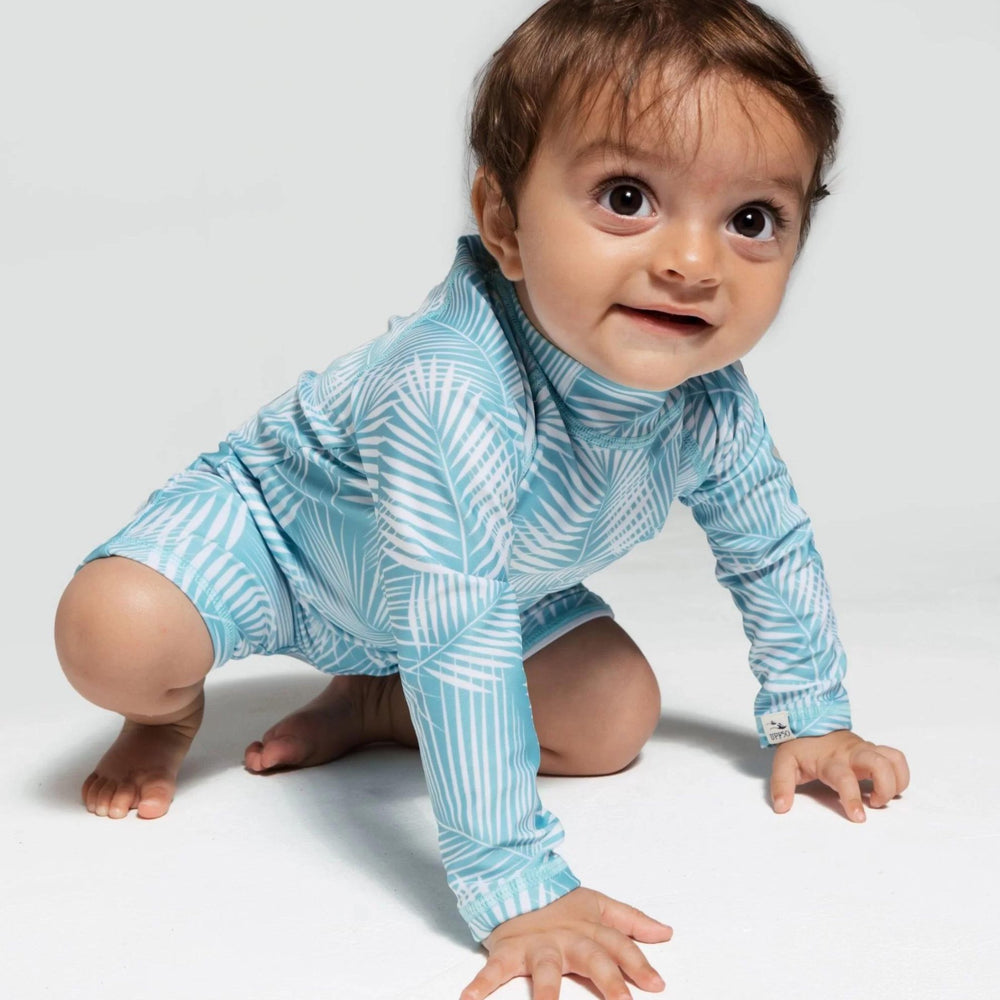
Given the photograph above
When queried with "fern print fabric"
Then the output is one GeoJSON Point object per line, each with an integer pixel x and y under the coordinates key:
{"type": "Point", "coordinates": [431, 503]}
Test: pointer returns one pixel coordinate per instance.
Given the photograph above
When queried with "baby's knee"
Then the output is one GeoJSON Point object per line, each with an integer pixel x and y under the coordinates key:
{"type": "Point", "coordinates": [125, 635]}
{"type": "Point", "coordinates": [622, 710]}
{"type": "Point", "coordinates": [633, 710]}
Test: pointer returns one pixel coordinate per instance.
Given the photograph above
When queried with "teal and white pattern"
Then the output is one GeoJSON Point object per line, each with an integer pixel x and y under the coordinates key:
{"type": "Point", "coordinates": [431, 503]}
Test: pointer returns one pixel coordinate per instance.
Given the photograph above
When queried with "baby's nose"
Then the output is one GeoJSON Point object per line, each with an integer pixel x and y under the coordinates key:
{"type": "Point", "coordinates": [688, 252]}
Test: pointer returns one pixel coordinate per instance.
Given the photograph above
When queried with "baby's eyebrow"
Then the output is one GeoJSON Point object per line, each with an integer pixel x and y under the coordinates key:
{"type": "Point", "coordinates": [788, 183]}
{"type": "Point", "coordinates": [603, 147]}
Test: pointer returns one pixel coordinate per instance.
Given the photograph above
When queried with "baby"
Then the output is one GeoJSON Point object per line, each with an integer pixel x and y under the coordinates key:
{"type": "Point", "coordinates": [416, 520]}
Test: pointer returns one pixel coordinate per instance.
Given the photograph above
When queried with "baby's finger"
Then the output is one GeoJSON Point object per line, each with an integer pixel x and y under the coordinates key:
{"type": "Point", "coordinates": [630, 958]}
{"type": "Point", "coordinates": [869, 763]}
{"type": "Point", "coordinates": [842, 779]}
{"type": "Point", "coordinates": [633, 922]}
{"type": "Point", "coordinates": [587, 958]}
{"type": "Point", "coordinates": [899, 765]}
{"type": "Point", "coordinates": [546, 970]}
{"type": "Point", "coordinates": [784, 776]}
{"type": "Point", "coordinates": [501, 968]}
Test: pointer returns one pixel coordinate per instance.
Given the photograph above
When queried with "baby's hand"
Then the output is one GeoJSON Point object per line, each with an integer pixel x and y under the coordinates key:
{"type": "Point", "coordinates": [839, 759]}
{"type": "Point", "coordinates": [584, 933]}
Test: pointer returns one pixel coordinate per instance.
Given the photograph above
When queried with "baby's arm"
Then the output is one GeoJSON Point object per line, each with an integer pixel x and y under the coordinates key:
{"type": "Point", "coordinates": [443, 470]}
{"type": "Point", "coordinates": [763, 543]}
{"type": "Point", "coordinates": [440, 447]}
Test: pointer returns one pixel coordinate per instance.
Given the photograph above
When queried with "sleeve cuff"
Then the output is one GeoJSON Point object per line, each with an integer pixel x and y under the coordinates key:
{"type": "Point", "coordinates": [528, 891]}
{"type": "Point", "coordinates": [817, 719]}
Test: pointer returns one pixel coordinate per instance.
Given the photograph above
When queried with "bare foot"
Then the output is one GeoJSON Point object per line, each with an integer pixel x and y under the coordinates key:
{"type": "Point", "coordinates": [139, 771]}
{"type": "Point", "coordinates": [351, 712]}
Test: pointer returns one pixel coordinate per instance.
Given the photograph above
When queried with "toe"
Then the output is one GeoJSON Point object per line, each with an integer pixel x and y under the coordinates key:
{"type": "Point", "coordinates": [155, 797]}
{"type": "Point", "coordinates": [123, 799]}
{"type": "Point", "coordinates": [274, 731]}
{"type": "Point", "coordinates": [101, 795]}
{"type": "Point", "coordinates": [91, 790]}
{"type": "Point", "coordinates": [282, 751]}
{"type": "Point", "coordinates": [251, 756]}
{"type": "Point", "coordinates": [88, 787]}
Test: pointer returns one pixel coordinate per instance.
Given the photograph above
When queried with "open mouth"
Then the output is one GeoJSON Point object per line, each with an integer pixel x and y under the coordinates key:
{"type": "Point", "coordinates": [683, 322]}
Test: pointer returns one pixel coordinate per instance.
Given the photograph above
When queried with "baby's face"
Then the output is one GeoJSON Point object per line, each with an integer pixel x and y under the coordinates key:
{"type": "Point", "coordinates": [668, 257]}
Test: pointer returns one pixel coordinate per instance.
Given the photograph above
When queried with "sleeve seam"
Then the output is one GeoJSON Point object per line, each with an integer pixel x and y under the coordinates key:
{"type": "Point", "coordinates": [514, 887]}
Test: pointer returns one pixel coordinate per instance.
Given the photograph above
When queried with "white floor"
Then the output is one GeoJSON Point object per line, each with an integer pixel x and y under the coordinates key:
{"type": "Point", "coordinates": [326, 882]}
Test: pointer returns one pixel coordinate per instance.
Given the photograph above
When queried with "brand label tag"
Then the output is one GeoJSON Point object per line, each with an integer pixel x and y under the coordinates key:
{"type": "Point", "coordinates": [776, 727]}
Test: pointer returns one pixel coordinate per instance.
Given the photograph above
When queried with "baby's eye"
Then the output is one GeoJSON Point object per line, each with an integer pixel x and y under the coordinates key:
{"type": "Point", "coordinates": [626, 199]}
{"type": "Point", "coordinates": [755, 222]}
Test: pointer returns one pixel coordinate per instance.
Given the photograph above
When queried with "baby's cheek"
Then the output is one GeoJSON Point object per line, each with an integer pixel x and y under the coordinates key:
{"type": "Point", "coordinates": [760, 303]}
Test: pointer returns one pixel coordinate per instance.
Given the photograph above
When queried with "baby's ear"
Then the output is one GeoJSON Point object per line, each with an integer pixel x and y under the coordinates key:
{"type": "Point", "coordinates": [497, 225]}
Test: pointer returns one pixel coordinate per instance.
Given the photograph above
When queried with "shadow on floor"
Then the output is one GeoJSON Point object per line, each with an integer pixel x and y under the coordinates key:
{"type": "Point", "coordinates": [372, 805]}
{"type": "Point", "coordinates": [737, 745]}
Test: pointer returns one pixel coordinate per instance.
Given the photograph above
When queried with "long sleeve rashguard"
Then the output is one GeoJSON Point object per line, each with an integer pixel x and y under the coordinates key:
{"type": "Point", "coordinates": [429, 489]}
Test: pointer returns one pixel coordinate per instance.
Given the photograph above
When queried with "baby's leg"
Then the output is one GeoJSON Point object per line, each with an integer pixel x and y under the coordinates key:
{"type": "Point", "coordinates": [131, 641]}
{"type": "Point", "coordinates": [594, 699]}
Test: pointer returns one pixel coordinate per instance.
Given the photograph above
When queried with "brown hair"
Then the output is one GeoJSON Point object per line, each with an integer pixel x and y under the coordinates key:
{"type": "Point", "coordinates": [569, 51]}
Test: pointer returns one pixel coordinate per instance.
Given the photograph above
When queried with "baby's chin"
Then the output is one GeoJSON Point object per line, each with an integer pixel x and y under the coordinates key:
{"type": "Point", "coordinates": [652, 375]}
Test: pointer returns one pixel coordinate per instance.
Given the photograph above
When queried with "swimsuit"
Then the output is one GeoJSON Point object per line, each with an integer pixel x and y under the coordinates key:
{"type": "Point", "coordinates": [431, 503]}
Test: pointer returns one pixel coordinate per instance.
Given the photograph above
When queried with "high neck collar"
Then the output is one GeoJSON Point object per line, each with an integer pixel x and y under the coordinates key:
{"type": "Point", "coordinates": [593, 407]}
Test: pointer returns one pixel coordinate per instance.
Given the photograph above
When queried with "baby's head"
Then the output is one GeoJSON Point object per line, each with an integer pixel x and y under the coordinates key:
{"type": "Point", "coordinates": [630, 127]}
{"type": "Point", "coordinates": [650, 53]}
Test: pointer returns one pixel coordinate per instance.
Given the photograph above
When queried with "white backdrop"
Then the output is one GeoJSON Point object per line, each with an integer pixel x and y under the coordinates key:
{"type": "Point", "coordinates": [200, 200]}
